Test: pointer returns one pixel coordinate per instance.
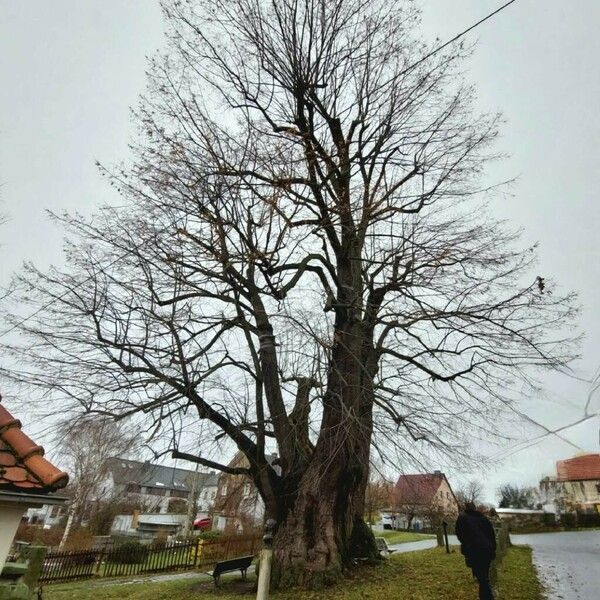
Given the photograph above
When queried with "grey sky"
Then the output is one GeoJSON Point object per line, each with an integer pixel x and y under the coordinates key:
{"type": "Point", "coordinates": [69, 70]}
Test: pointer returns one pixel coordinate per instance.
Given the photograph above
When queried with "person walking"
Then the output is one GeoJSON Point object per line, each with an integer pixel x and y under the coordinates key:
{"type": "Point", "coordinates": [478, 545]}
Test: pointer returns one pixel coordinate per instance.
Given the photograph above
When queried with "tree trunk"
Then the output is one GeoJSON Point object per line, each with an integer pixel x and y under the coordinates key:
{"type": "Point", "coordinates": [323, 529]}
{"type": "Point", "coordinates": [320, 537]}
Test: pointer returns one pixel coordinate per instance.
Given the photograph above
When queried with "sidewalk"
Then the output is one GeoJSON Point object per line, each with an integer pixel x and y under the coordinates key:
{"type": "Point", "coordinates": [422, 545]}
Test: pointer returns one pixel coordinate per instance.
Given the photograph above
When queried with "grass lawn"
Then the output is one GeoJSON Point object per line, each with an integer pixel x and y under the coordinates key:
{"type": "Point", "coordinates": [401, 537]}
{"type": "Point", "coordinates": [425, 575]}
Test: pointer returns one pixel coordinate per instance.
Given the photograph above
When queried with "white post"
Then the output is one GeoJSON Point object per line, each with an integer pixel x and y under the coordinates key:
{"type": "Point", "coordinates": [266, 558]}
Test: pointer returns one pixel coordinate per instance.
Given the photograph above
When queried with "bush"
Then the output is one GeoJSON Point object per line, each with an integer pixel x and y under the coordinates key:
{"type": "Point", "coordinates": [588, 519]}
{"type": "Point", "coordinates": [128, 553]}
{"type": "Point", "coordinates": [549, 520]}
{"type": "Point", "coordinates": [79, 539]}
{"type": "Point", "coordinates": [210, 535]}
{"type": "Point", "coordinates": [568, 520]}
{"type": "Point", "coordinates": [36, 534]}
{"type": "Point", "coordinates": [161, 540]}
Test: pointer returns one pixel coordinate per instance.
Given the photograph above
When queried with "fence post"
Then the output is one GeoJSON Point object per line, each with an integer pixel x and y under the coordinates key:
{"type": "Point", "coordinates": [99, 559]}
{"type": "Point", "coordinates": [266, 558]}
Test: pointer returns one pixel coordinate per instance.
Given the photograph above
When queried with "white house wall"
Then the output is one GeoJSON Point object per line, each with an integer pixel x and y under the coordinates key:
{"type": "Point", "coordinates": [10, 517]}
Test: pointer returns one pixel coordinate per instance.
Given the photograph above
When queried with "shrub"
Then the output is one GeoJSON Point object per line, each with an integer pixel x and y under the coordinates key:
{"type": "Point", "coordinates": [568, 520]}
{"type": "Point", "coordinates": [549, 519]}
{"type": "Point", "coordinates": [38, 535]}
{"type": "Point", "coordinates": [128, 553]}
{"type": "Point", "coordinates": [588, 519]}
{"type": "Point", "coordinates": [79, 539]}
{"type": "Point", "coordinates": [210, 535]}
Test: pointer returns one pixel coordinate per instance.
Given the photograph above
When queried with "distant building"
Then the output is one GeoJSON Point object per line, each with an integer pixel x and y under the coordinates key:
{"type": "Point", "coordinates": [46, 516]}
{"type": "Point", "coordinates": [576, 486]}
{"type": "Point", "coordinates": [420, 500]}
{"type": "Point", "coordinates": [238, 505]}
{"type": "Point", "coordinates": [153, 486]}
{"type": "Point", "coordinates": [148, 525]}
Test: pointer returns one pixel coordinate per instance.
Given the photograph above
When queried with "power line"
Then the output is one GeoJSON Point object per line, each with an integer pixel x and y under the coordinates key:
{"type": "Point", "coordinates": [457, 37]}
{"type": "Point", "coordinates": [528, 443]}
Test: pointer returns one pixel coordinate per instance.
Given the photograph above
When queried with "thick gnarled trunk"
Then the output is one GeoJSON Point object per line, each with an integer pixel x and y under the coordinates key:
{"type": "Point", "coordinates": [321, 533]}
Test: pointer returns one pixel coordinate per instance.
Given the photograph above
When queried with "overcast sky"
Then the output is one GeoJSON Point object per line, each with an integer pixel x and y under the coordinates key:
{"type": "Point", "coordinates": [69, 70]}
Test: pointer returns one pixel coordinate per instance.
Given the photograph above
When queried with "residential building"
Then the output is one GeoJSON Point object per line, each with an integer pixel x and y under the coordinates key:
{"type": "Point", "coordinates": [576, 485]}
{"type": "Point", "coordinates": [238, 505]}
{"type": "Point", "coordinates": [27, 479]}
{"type": "Point", "coordinates": [46, 516]}
{"type": "Point", "coordinates": [148, 525]}
{"type": "Point", "coordinates": [420, 500]}
{"type": "Point", "coordinates": [153, 487]}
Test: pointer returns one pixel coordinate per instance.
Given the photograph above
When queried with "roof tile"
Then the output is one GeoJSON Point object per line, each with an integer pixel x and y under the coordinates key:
{"type": "Point", "coordinates": [579, 468]}
{"type": "Point", "coordinates": [418, 489]}
{"type": "Point", "coordinates": [22, 464]}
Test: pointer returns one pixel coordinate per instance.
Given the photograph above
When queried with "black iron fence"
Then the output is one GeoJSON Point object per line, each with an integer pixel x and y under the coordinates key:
{"type": "Point", "coordinates": [135, 559]}
{"type": "Point", "coordinates": [66, 566]}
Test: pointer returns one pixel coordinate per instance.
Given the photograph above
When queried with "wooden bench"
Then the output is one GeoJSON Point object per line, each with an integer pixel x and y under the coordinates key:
{"type": "Point", "coordinates": [233, 564]}
{"type": "Point", "coordinates": [382, 545]}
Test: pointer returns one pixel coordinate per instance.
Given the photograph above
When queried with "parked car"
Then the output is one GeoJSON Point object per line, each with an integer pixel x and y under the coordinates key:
{"type": "Point", "coordinates": [203, 524]}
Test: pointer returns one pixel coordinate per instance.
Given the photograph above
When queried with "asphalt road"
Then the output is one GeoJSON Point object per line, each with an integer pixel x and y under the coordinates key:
{"type": "Point", "coordinates": [568, 563]}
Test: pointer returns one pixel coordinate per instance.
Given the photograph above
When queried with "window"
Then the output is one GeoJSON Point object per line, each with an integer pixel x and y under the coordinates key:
{"type": "Point", "coordinates": [179, 494]}
{"type": "Point", "coordinates": [224, 490]}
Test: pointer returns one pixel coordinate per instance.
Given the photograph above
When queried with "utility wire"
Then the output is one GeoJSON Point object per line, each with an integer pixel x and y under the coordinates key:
{"type": "Point", "coordinates": [457, 37]}
{"type": "Point", "coordinates": [528, 443]}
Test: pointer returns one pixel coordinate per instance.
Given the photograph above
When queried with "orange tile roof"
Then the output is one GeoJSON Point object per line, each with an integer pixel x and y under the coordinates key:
{"type": "Point", "coordinates": [579, 468]}
{"type": "Point", "coordinates": [418, 489]}
{"type": "Point", "coordinates": [23, 467]}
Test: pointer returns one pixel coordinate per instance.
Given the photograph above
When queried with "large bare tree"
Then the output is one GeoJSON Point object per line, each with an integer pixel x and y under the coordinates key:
{"type": "Point", "coordinates": [304, 263]}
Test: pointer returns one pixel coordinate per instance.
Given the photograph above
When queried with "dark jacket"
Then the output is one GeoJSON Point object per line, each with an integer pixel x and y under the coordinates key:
{"type": "Point", "coordinates": [476, 534]}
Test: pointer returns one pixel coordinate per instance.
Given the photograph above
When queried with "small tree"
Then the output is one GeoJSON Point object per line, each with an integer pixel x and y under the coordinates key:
{"type": "Point", "coordinates": [86, 443]}
{"type": "Point", "coordinates": [379, 494]}
{"type": "Point", "coordinates": [178, 506]}
{"type": "Point", "coordinates": [471, 492]}
{"type": "Point", "coordinates": [516, 496]}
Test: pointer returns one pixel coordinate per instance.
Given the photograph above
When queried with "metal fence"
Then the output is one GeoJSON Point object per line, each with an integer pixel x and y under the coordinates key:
{"type": "Point", "coordinates": [123, 561]}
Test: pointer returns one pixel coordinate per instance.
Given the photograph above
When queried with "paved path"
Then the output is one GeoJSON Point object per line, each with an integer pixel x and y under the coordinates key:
{"type": "Point", "coordinates": [568, 563]}
{"type": "Point", "coordinates": [422, 544]}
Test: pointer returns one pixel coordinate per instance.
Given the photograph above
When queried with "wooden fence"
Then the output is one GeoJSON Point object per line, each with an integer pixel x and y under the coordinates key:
{"type": "Point", "coordinates": [126, 561]}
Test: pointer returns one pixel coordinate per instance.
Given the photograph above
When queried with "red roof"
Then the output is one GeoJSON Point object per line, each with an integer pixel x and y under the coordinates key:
{"type": "Point", "coordinates": [579, 468]}
{"type": "Point", "coordinates": [23, 467]}
{"type": "Point", "coordinates": [418, 489]}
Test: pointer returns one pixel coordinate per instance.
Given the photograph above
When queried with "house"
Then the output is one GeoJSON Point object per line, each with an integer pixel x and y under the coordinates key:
{"type": "Point", "coordinates": [238, 505]}
{"type": "Point", "coordinates": [154, 487]}
{"type": "Point", "coordinates": [420, 500]}
{"type": "Point", "coordinates": [46, 516]}
{"type": "Point", "coordinates": [576, 485]}
{"type": "Point", "coordinates": [27, 479]}
{"type": "Point", "coordinates": [148, 525]}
